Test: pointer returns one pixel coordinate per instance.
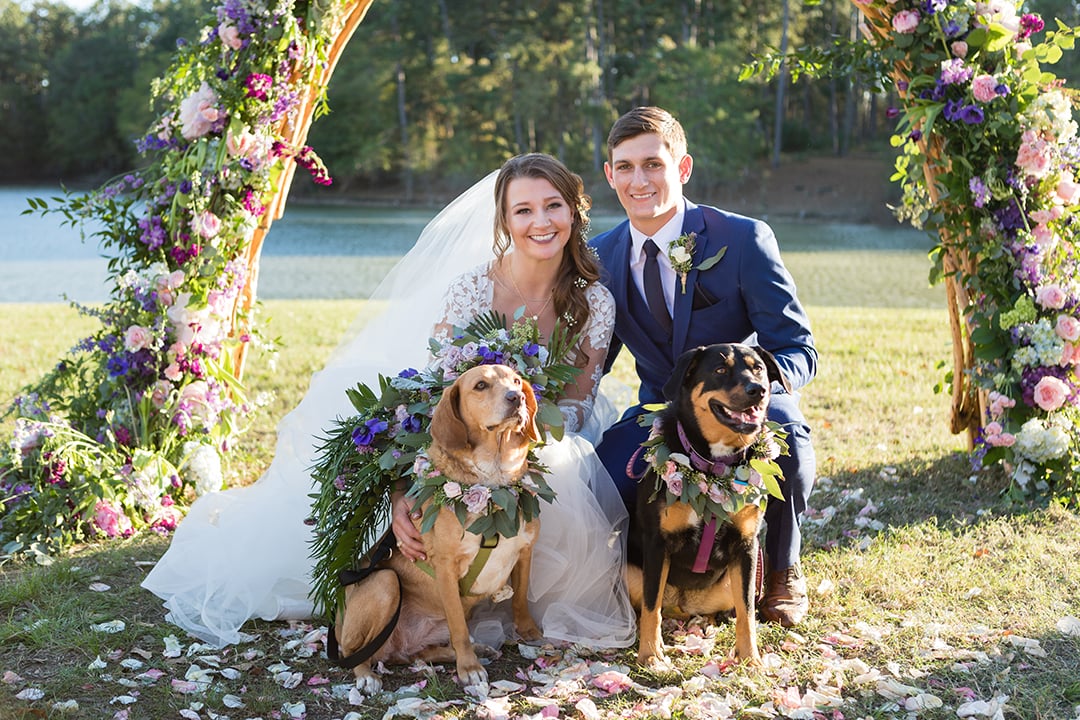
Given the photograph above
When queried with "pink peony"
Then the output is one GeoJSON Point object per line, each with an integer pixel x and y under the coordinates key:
{"type": "Point", "coordinates": [230, 36]}
{"type": "Point", "coordinates": [173, 372]}
{"type": "Point", "coordinates": [1033, 157]}
{"type": "Point", "coordinates": [110, 520]}
{"type": "Point", "coordinates": [1051, 393]}
{"type": "Point", "coordinates": [982, 87]}
{"type": "Point", "coordinates": [198, 112]}
{"type": "Point", "coordinates": [476, 498]}
{"type": "Point", "coordinates": [137, 337]}
{"type": "Point", "coordinates": [959, 48]}
{"type": "Point", "coordinates": [1068, 190]}
{"type": "Point", "coordinates": [905, 21]}
{"type": "Point", "coordinates": [206, 224]}
{"type": "Point", "coordinates": [1051, 297]}
{"type": "Point", "coordinates": [1067, 328]}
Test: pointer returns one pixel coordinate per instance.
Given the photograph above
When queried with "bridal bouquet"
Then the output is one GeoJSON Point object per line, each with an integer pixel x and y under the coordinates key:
{"type": "Point", "coordinates": [988, 163]}
{"type": "Point", "coordinates": [364, 457]}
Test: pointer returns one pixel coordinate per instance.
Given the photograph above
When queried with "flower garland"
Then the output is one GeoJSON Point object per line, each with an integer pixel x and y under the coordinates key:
{"type": "Point", "coordinates": [363, 458]}
{"type": "Point", "coordinates": [750, 477]}
{"type": "Point", "coordinates": [996, 134]}
{"type": "Point", "coordinates": [503, 509]}
{"type": "Point", "coordinates": [132, 422]}
{"type": "Point", "coordinates": [681, 256]}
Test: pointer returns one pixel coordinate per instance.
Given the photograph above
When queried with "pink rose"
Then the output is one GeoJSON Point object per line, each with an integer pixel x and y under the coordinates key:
{"type": "Point", "coordinates": [137, 337]}
{"type": "Point", "coordinates": [160, 393]}
{"type": "Point", "coordinates": [959, 48]}
{"type": "Point", "coordinates": [1001, 440]}
{"type": "Point", "coordinates": [1051, 297]}
{"type": "Point", "coordinates": [982, 87]}
{"type": "Point", "coordinates": [452, 489]}
{"type": "Point", "coordinates": [1067, 328]}
{"type": "Point", "coordinates": [110, 520]}
{"type": "Point", "coordinates": [1068, 190]}
{"type": "Point", "coordinates": [206, 224]}
{"type": "Point", "coordinates": [675, 484]}
{"type": "Point", "coordinates": [905, 21]}
{"type": "Point", "coordinates": [197, 113]}
{"type": "Point", "coordinates": [476, 498]}
{"type": "Point", "coordinates": [1051, 393]}
{"type": "Point", "coordinates": [1070, 354]}
{"type": "Point", "coordinates": [230, 36]}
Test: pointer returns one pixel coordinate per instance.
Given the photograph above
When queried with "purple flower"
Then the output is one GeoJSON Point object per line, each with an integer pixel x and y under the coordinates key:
{"type": "Point", "coordinates": [1029, 24]}
{"type": "Point", "coordinates": [931, 7]}
{"type": "Point", "coordinates": [489, 356]}
{"type": "Point", "coordinates": [1002, 89]}
{"type": "Point", "coordinates": [364, 435]}
{"type": "Point", "coordinates": [979, 191]}
{"type": "Point", "coordinates": [258, 85]}
{"type": "Point", "coordinates": [408, 373]}
{"type": "Point", "coordinates": [153, 232]}
{"type": "Point", "coordinates": [530, 349]}
{"type": "Point", "coordinates": [915, 135]}
{"type": "Point", "coordinates": [954, 72]}
{"type": "Point", "coordinates": [411, 424]}
{"type": "Point", "coordinates": [117, 365]}
{"type": "Point", "coordinates": [971, 114]}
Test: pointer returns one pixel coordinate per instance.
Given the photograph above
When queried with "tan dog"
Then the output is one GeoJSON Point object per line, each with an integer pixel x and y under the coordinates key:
{"type": "Point", "coordinates": [718, 396]}
{"type": "Point", "coordinates": [481, 432]}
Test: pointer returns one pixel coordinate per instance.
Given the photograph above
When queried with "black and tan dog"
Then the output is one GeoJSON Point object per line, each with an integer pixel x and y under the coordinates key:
{"type": "Point", "coordinates": [718, 395]}
{"type": "Point", "coordinates": [481, 432]}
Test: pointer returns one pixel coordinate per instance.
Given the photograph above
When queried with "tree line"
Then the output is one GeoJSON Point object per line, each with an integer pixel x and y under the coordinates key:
{"type": "Point", "coordinates": [434, 93]}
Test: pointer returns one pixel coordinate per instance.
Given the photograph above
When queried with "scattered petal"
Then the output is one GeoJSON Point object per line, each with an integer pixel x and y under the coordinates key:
{"type": "Point", "coordinates": [184, 686]}
{"type": "Point", "coordinates": [172, 647]}
{"type": "Point", "coordinates": [124, 699]}
{"type": "Point", "coordinates": [97, 664]}
{"type": "Point", "coordinates": [11, 678]}
{"type": "Point", "coordinates": [65, 707]}
{"type": "Point", "coordinates": [31, 694]}
{"type": "Point", "coordinates": [131, 664]}
{"type": "Point", "coordinates": [189, 714]}
{"type": "Point", "coordinates": [294, 710]}
{"type": "Point", "coordinates": [99, 587]}
{"type": "Point", "coordinates": [587, 708]}
{"type": "Point", "coordinates": [1069, 625]}
{"type": "Point", "coordinates": [111, 626]}
{"type": "Point", "coordinates": [230, 673]}
{"type": "Point", "coordinates": [232, 701]}
{"type": "Point", "coordinates": [612, 682]}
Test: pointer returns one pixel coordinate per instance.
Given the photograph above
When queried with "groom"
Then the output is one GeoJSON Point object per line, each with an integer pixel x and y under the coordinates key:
{"type": "Point", "coordinates": [748, 296]}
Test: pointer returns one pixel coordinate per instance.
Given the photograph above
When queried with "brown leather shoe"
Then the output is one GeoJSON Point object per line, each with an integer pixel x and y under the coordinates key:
{"type": "Point", "coordinates": [785, 600]}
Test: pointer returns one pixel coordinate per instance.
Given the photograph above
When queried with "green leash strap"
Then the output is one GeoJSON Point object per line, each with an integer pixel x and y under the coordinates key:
{"type": "Point", "coordinates": [465, 584]}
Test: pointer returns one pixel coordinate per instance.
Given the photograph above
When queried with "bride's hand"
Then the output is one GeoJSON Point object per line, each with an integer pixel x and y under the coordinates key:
{"type": "Point", "coordinates": [408, 537]}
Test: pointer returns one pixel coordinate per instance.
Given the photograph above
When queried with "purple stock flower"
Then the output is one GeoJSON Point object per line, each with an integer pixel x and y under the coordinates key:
{"type": "Point", "coordinates": [258, 85]}
{"type": "Point", "coordinates": [979, 191]}
{"type": "Point", "coordinates": [153, 232]}
{"type": "Point", "coordinates": [1030, 24]}
{"type": "Point", "coordinates": [954, 72]}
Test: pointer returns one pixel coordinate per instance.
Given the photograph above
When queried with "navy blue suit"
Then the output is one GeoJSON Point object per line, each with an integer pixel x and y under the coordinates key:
{"type": "Point", "coordinates": [748, 296]}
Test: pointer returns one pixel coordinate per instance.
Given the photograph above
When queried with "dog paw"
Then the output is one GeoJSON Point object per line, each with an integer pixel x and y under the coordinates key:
{"type": "Point", "coordinates": [658, 663]}
{"type": "Point", "coordinates": [473, 675]}
{"type": "Point", "coordinates": [529, 632]}
{"type": "Point", "coordinates": [369, 684]}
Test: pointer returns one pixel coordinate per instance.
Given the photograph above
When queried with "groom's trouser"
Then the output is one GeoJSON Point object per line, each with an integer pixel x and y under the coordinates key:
{"type": "Point", "coordinates": [783, 541]}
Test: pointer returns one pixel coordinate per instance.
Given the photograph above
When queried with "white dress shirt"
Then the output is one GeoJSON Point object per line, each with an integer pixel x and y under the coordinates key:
{"type": "Point", "coordinates": [663, 239]}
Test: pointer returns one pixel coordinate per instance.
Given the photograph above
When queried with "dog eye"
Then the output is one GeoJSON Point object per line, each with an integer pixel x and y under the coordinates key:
{"type": "Point", "coordinates": [481, 385]}
{"type": "Point", "coordinates": [721, 370]}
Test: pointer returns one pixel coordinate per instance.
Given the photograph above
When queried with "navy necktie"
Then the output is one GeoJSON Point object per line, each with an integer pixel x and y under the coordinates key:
{"type": "Point", "coordinates": [654, 289]}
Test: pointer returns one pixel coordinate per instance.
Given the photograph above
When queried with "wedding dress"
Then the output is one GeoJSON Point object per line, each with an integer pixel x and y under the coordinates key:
{"type": "Point", "coordinates": [243, 553]}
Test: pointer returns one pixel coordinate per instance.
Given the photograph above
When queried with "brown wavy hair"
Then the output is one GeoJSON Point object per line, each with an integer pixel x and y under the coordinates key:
{"type": "Point", "coordinates": [648, 119]}
{"type": "Point", "coordinates": [578, 260]}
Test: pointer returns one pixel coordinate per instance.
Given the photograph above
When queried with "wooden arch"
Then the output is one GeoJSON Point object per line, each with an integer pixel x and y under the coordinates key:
{"type": "Point", "coordinates": [293, 131]}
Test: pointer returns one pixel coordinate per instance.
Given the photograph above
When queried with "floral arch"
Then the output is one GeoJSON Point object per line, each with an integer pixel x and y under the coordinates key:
{"type": "Point", "coordinates": [133, 422]}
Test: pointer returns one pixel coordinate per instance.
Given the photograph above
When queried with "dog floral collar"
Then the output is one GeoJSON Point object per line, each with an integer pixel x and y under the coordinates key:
{"type": "Point", "coordinates": [502, 509]}
{"type": "Point", "coordinates": [749, 477]}
{"type": "Point", "coordinates": [681, 256]}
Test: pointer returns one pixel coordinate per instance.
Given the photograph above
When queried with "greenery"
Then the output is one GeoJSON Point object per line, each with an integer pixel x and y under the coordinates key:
{"type": "Point", "coordinates": [917, 567]}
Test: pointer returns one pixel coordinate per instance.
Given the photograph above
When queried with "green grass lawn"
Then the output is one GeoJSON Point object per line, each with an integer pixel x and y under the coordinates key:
{"type": "Point", "coordinates": [929, 594]}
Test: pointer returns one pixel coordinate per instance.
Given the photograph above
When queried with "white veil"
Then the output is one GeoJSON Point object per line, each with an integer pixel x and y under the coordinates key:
{"type": "Point", "coordinates": [244, 553]}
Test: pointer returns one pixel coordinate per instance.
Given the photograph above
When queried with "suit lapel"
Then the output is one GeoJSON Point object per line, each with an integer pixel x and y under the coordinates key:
{"type": "Point", "coordinates": [627, 326]}
{"type": "Point", "coordinates": [693, 222]}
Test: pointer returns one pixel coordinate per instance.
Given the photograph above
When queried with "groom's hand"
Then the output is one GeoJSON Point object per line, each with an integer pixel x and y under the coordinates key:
{"type": "Point", "coordinates": [402, 519]}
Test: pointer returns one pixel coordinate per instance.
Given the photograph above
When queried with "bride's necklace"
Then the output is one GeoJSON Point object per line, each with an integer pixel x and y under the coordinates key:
{"type": "Point", "coordinates": [526, 300]}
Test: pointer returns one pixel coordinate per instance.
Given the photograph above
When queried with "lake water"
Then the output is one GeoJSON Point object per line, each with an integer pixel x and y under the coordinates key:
{"type": "Point", "coordinates": [343, 252]}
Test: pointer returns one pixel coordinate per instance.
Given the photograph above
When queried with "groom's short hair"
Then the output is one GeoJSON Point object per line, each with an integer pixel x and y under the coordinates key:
{"type": "Point", "coordinates": [648, 119]}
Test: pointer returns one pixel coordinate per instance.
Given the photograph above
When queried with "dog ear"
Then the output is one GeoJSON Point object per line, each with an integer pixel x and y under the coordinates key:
{"type": "Point", "coordinates": [772, 368]}
{"type": "Point", "coordinates": [684, 365]}
{"type": "Point", "coordinates": [447, 427]}
{"type": "Point", "coordinates": [531, 430]}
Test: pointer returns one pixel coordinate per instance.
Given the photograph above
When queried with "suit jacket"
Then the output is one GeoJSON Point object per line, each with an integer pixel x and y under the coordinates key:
{"type": "Point", "coordinates": [748, 296]}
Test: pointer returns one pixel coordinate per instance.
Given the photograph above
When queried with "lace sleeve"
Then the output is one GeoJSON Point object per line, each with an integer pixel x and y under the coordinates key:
{"type": "Point", "coordinates": [467, 296]}
{"type": "Point", "coordinates": [577, 404]}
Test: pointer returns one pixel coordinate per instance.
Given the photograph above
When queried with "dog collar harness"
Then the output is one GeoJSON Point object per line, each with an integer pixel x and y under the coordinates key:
{"type": "Point", "coordinates": [712, 466]}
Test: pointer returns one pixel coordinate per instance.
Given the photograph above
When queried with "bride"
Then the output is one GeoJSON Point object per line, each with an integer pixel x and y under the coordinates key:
{"type": "Point", "coordinates": [244, 553]}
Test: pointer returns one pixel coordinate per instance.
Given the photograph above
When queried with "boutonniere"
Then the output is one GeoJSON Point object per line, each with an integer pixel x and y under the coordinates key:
{"type": "Point", "coordinates": [681, 256]}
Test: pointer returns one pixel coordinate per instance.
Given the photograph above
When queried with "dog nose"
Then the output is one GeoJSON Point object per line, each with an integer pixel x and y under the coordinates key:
{"type": "Point", "coordinates": [755, 390]}
{"type": "Point", "coordinates": [514, 397]}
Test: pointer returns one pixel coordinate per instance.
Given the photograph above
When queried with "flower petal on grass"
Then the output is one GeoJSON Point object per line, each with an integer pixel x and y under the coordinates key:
{"type": "Point", "coordinates": [66, 707]}
{"type": "Point", "coordinates": [172, 647]}
{"type": "Point", "coordinates": [295, 710]}
{"type": "Point", "coordinates": [1069, 626]}
{"type": "Point", "coordinates": [99, 587]}
{"type": "Point", "coordinates": [232, 701]}
{"type": "Point", "coordinates": [11, 678]}
{"type": "Point", "coordinates": [30, 694]}
{"type": "Point", "coordinates": [185, 687]}
{"type": "Point", "coordinates": [110, 626]}
{"type": "Point", "coordinates": [612, 682]}
{"type": "Point", "coordinates": [587, 708]}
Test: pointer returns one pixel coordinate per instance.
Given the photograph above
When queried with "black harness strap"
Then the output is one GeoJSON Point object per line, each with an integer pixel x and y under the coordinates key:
{"type": "Point", "coordinates": [351, 577]}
